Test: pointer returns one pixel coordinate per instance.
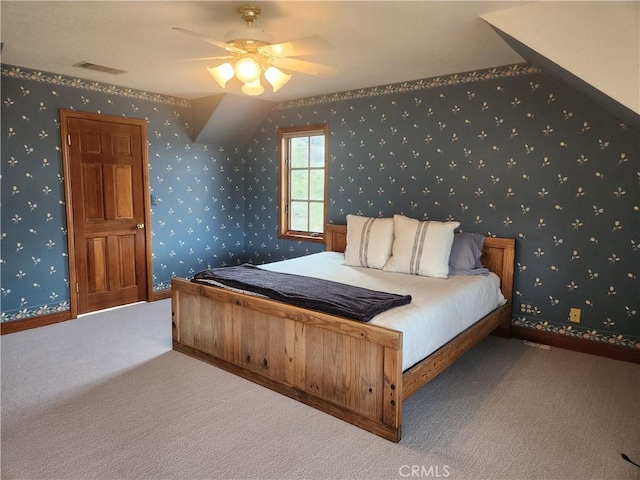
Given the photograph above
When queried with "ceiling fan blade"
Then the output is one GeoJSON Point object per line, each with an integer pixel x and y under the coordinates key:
{"type": "Point", "coordinates": [202, 59]}
{"type": "Point", "coordinates": [303, 66]}
{"type": "Point", "coordinates": [294, 48]}
{"type": "Point", "coordinates": [210, 40]}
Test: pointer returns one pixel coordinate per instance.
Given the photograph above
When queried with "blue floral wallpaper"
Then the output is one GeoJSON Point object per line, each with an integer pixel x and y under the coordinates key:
{"type": "Point", "coordinates": [507, 152]}
{"type": "Point", "coordinates": [197, 218]}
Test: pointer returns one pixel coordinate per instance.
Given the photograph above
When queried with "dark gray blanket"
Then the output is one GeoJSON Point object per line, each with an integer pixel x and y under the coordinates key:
{"type": "Point", "coordinates": [313, 293]}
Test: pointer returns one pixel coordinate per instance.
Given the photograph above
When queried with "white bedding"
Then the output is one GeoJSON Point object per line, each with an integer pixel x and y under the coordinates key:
{"type": "Point", "coordinates": [439, 310]}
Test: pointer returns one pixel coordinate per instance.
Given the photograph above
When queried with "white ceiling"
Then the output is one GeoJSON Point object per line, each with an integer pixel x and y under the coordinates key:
{"type": "Point", "coordinates": [373, 42]}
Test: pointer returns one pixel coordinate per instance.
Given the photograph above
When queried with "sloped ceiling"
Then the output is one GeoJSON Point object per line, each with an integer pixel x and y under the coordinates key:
{"type": "Point", "coordinates": [593, 46]}
{"type": "Point", "coordinates": [227, 119]}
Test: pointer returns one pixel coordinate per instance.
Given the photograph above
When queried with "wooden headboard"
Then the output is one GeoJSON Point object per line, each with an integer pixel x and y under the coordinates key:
{"type": "Point", "coordinates": [498, 254]}
{"type": "Point", "coordinates": [335, 237]}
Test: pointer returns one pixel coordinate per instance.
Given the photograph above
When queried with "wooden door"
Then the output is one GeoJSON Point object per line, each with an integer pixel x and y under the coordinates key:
{"type": "Point", "coordinates": [107, 184]}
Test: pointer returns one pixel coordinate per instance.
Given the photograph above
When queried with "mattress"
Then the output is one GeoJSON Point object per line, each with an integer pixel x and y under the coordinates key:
{"type": "Point", "coordinates": [439, 310]}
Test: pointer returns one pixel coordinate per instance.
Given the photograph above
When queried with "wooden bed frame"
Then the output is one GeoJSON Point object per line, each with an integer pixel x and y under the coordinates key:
{"type": "Point", "coordinates": [348, 369]}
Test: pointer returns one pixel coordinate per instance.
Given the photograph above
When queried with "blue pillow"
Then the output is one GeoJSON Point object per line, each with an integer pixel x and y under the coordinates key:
{"type": "Point", "coordinates": [465, 254]}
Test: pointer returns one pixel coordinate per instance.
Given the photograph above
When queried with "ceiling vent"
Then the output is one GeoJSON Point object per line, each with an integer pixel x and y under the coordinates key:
{"type": "Point", "coordinates": [100, 68]}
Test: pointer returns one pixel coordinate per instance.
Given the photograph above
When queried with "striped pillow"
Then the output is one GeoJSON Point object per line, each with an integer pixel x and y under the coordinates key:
{"type": "Point", "coordinates": [369, 241]}
{"type": "Point", "coordinates": [421, 248]}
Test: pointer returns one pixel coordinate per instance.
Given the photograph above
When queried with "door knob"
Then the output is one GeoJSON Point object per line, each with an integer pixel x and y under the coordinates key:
{"type": "Point", "coordinates": [140, 226]}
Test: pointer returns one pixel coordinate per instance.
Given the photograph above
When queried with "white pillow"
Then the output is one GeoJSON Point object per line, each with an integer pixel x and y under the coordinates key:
{"type": "Point", "coordinates": [369, 241]}
{"type": "Point", "coordinates": [421, 248]}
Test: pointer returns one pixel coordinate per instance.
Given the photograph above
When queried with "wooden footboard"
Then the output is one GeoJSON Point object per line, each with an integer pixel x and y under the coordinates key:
{"type": "Point", "coordinates": [348, 369]}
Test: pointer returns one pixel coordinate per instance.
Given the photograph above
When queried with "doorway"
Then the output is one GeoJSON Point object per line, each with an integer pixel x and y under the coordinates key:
{"type": "Point", "coordinates": [108, 217]}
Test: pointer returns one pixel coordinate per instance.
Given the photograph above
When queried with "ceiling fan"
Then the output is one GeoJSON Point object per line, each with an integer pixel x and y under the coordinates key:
{"type": "Point", "coordinates": [252, 55]}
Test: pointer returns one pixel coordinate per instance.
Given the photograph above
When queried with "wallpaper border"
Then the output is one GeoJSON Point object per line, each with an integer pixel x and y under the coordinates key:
{"type": "Point", "coordinates": [571, 331]}
{"type": "Point", "coordinates": [24, 313]}
{"type": "Point", "coordinates": [73, 82]}
{"type": "Point", "coordinates": [25, 73]}
{"type": "Point", "coordinates": [423, 84]}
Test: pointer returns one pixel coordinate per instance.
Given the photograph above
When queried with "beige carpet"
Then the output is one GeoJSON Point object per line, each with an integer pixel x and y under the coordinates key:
{"type": "Point", "coordinates": [104, 397]}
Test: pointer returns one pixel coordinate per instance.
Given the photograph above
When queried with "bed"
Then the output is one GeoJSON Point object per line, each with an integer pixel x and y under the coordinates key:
{"type": "Point", "coordinates": [352, 370]}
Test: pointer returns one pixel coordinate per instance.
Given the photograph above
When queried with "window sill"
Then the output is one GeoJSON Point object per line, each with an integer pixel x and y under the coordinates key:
{"type": "Point", "coordinates": [302, 237]}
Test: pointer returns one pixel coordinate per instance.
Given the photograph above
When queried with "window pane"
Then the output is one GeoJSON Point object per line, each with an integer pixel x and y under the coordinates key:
{"type": "Point", "coordinates": [300, 185]}
{"type": "Point", "coordinates": [299, 152]}
{"type": "Point", "coordinates": [317, 151]}
{"type": "Point", "coordinates": [316, 217]}
{"type": "Point", "coordinates": [316, 190]}
{"type": "Point", "coordinates": [299, 216]}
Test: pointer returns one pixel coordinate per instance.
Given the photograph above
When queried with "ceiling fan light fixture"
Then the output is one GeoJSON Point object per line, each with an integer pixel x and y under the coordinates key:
{"type": "Point", "coordinates": [253, 88]}
{"type": "Point", "coordinates": [247, 69]}
{"type": "Point", "coordinates": [253, 55]}
{"type": "Point", "coordinates": [222, 73]}
{"type": "Point", "coordinates": [277, 78]}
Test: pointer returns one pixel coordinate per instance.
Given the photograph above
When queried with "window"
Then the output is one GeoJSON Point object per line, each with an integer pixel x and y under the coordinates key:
{"type": "Point", "coordinates": [303, 182]}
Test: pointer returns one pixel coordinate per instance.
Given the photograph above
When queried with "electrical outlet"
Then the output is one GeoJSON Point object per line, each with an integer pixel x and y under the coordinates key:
{"type": "Point", "coordinates": [574, 315]}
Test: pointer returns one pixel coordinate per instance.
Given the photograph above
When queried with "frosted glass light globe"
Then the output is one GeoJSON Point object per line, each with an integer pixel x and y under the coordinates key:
{"type": "Point", "coordinates": [247, 70]}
